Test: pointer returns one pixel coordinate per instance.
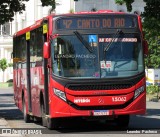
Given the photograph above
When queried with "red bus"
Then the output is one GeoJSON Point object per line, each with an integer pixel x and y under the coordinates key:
{"type": "Point", "coordinates": [81, 65]}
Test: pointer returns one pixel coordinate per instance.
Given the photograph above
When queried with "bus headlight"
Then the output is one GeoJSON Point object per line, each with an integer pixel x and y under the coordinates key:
{"type": "Point", "coordinates": [60, 94]}
{"type": "Point", "coordinates": [138, 92]}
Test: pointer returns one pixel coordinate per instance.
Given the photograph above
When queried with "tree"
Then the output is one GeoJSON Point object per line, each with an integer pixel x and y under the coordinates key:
{"type": "Point", "coordinates": [127, 2]}
{"type": "Point", "coordinates": [49, 3]}
{"type": "Point", "coordinates": [151, 25]}
{"type": "Point", "coordinates": [3, 65]}
{"type": "Point", "coordinates": [9, 7]}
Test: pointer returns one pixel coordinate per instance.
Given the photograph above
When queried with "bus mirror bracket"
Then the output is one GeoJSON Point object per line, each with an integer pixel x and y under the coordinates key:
{"type": "Point", "coordinates": [145, 44]}
{"type": "Point", "coordinates": [46, 50]}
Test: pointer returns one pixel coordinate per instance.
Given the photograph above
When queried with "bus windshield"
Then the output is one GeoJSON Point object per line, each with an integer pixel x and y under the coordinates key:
{"type": "Point", "coordinates": [123, 58]}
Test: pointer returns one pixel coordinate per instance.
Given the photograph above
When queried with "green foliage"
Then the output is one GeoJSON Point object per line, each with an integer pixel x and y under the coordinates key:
{"type": "Point", "coordinates": [120, 2]}
{"type": "Point", "coordinates": [127, 2]}
{"type": "Point", "coordinates": [48, 3]}
{"type": "Point", "coordinates": [152, 9]}
{"type": "Point", "coordinates": [10, 64]}
{"type": "Point", "coordinates": [3, 64]}
{"type": "Point", "coordinates": [9, 7]}
{"type": "Point", "coordinates": [151, 25]}
{"type": "Point", "coordinates": [152, 89]}
{"type": "Point", "coordinates": [71, 11]}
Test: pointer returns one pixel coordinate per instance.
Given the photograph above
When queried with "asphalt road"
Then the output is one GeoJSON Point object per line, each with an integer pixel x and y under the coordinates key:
{"type": "Point", "coordinates": [142, 123]}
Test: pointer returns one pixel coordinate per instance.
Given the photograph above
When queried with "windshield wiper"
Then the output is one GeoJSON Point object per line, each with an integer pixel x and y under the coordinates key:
{"type": "Point", "coordinates": [113, 39]}
{"type": "Point", "coordinates": [83, 41]}
{"type": "Point", "coordinates": [110, 43]}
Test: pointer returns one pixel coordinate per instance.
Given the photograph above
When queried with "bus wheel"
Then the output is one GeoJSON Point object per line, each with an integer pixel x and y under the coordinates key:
{"type": "Point", "coordinates": [52, 123]}
{"type": "Point", "coordinates": [43, 115]}
{"type": "Point", "coordinates": [123, 120]}
{"type": "Point", "coordinates": [26, 117]}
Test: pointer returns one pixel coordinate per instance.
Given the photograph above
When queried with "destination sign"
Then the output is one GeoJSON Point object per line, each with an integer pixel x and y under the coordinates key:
{"type": "Point", "coordinates": [100, 22]}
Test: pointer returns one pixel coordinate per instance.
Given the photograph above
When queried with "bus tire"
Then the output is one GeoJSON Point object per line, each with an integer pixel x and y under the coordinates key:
{"type": "Point", "coordinates": [43, 115]}
{"type": "Point", "coordinates": [26, 117]}
{"type": "Point", "coordinates": [123, 120]}
{"type": "Point", "coordinates": [52, 123]}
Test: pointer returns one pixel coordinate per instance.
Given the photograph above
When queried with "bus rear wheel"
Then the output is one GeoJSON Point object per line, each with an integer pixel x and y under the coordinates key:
{"type": "Point", "coordinates": [44, 120]}
{"type": "Point", "coordinates": [123, 120]}
{"type": "Point", "coordinates": [26, 117]}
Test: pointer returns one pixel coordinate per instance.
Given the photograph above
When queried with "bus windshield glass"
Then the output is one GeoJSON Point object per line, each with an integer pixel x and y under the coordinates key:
{"type": "Point", "coordinates": [71, 59]}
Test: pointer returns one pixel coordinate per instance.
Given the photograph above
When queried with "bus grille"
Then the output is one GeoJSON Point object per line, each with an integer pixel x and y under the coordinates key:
{"type": "Point", "coordinates": [109, 107]}
{"type": "Point", "coordinates": [99, 87]}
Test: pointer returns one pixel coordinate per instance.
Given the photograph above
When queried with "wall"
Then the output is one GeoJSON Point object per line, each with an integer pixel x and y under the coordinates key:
{"type": "Point", "coordinates": [64, 6]}
{"type": "Point", "coordinates": [88, 5]}
{"type": "Point", "coordinates": [5, 52]}
{"type": "Point", "coordinates": [137, 5]}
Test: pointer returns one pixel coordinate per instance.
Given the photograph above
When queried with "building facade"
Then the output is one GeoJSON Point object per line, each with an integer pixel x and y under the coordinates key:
{"type": "Point", "coordinates": [6, 49]}
{"type": "Point", "coordinates": [34, 11]}
{"type": "Point", "coordinates": [90, 5]}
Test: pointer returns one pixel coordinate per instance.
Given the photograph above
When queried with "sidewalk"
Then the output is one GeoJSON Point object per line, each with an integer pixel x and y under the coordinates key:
{"type": "Point", "coordinates": [152, 98]}
{"type": "Point", "coordinates": [3, 126]}
{"type": "Point", "coordinates": [3, 101]}
{"type": "Point", "coordinates": [5, 95]}
{"type": "Point", "coordinates": [3, 123]}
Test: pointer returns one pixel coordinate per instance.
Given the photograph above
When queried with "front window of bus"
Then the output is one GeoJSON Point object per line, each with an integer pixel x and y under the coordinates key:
{"type": "Point", "coordinates": [72, 59]}
{"type": "Point", "coordinates": [122, 57]}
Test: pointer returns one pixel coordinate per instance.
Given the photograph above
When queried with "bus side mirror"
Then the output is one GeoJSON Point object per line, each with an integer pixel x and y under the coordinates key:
{"type": "Point", "coordinates": [46, 50]}
{"type": "Point", "coordinates": [145, 45]}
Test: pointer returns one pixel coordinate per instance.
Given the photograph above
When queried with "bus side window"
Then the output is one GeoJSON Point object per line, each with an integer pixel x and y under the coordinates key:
{"type": "Point", "coordinates": [23, 51]}
{"type": "Point", "coordinates": [38, 46]}
{"type": "Point", "coordinates": [15, 52]}
{"type": "Point", "coordinates": [40, 41]}
{"type": "Point", "coordinates": [33, 49]}
{"type": "Point", "coordinates": [18, 48]}
{"type": "Point", "coordinates": [23, 47]}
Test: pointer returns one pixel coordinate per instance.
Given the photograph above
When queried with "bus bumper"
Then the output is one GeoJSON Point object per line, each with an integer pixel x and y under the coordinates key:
{"type": "Point", "coordinates": [60, 108]}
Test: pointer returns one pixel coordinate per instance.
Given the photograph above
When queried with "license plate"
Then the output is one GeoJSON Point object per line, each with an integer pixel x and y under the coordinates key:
{"type": "Point", "coordinates": [101, 112]}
